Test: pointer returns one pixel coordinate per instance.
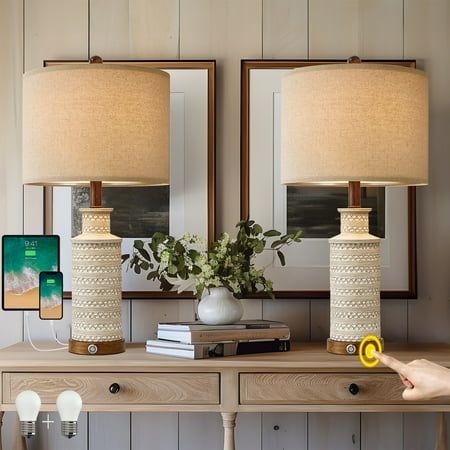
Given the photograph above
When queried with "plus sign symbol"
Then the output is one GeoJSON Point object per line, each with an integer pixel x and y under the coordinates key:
{"type": "Point", "coordinates": [48, 421]}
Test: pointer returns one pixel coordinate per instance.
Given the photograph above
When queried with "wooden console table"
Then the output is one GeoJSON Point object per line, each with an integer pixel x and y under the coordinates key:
{"type": "Point", "coordinates": [304, 379]}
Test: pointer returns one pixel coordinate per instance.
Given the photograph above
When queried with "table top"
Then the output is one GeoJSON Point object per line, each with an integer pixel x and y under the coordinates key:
{"type": "Point", "coordinates": [307, 356]}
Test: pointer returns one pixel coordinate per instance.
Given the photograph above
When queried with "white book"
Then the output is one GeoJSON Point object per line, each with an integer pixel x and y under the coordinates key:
{"type": "Point", "coordinates": [180, 345]}
{"type": "Point", "coordinates": [219, 335]}
{"type": "Point", "coordinates": [199, 326]}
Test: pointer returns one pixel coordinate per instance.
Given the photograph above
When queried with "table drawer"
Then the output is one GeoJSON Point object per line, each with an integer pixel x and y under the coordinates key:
{"type": "Point", "coordinates": [135, 388]}
{"type": "Point", "coordinates": [319, 388]}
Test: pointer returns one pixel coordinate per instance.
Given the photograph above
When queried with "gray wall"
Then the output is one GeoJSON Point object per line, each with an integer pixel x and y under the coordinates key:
{"type": "Point", "coordinates": [228, 30]}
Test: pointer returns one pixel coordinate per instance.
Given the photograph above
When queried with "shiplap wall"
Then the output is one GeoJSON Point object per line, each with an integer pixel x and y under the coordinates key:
{"type": "Point", "coordinates": [228, 30]}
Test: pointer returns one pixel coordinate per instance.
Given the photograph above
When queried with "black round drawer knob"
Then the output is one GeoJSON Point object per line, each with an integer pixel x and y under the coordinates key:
{"type": "Point", "coordinates": [353, 389]}
{"type": "Point", "coordinates": [114, 388]}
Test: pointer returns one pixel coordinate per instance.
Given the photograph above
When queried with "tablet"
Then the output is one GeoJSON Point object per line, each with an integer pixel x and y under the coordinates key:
{"type": "Point", "coordinates": [24, 257]}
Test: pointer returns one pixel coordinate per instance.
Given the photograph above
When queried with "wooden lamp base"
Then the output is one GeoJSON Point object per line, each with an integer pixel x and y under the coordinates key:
{"type": "Point", "coordinates": [96, 348]}
{"type": "Point", "coordinates": [346, 348]}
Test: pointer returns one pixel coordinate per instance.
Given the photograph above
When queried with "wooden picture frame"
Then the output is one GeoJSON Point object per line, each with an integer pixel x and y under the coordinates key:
{"type": "Point", "coordinates": [208, 67]}
{"type": "Point", "coordinates": [247, 66]}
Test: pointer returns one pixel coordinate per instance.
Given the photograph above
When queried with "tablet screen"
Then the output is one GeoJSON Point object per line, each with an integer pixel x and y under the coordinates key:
{"type": "Point", "coordinates": [24, 258]}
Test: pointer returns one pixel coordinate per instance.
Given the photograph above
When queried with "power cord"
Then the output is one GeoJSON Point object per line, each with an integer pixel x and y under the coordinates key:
{"type": "Point", "coordinates": [55, 337]}
{"type": "Point", "coordinates": [27, 329]}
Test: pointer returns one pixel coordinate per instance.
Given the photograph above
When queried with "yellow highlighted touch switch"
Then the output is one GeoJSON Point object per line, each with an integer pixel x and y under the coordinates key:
{"type": "Point", "coordinates": [366, 348]}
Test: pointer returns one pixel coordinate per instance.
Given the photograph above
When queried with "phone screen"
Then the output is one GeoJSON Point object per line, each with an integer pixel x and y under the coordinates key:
{"type": "Point", "coordinates": [50, 295]}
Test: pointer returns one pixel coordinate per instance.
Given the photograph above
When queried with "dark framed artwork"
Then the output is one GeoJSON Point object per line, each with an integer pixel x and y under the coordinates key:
{"type": "Point", "coordinates": [187, 205]}
{"type": "Point", "coordinates": [313, 209]}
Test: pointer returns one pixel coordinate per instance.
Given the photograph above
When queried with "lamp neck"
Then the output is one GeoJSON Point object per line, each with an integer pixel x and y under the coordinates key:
{"type": "Point", "coordinates": [354, 194]}
{"type": "Point", "coordinates": [96, 194]}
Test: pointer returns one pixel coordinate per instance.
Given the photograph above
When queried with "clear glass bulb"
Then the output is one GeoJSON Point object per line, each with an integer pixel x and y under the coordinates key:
{"type": "Point", "coordinates": [69, 405]}
{"type": "Point", "coordinates": [28, 404]}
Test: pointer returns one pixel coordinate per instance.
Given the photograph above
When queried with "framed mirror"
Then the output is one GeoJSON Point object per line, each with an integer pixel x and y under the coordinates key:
{"type": "Point", "coordinates": [187, 205]}
{"type": "Point", "coordinates": [313, 209]}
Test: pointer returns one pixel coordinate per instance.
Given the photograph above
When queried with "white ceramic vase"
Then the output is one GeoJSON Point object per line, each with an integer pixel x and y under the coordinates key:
{"type": "Point", "coordinates": [219, 307]}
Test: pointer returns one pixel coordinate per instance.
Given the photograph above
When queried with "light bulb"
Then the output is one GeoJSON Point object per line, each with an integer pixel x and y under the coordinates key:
{"type": "Point", "coordinates": [28, 404]}
{"type": "Point", "coordinates": [69, 405]}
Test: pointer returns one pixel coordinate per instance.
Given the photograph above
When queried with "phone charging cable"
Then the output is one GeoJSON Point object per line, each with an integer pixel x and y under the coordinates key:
{"type": "Point", "coordinates": [52, 327]}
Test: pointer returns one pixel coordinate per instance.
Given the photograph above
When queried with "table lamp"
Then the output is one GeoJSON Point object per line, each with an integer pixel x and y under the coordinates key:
{"type": "Point", "coordinates": [96, 124]}
{"type": "Point", "coordinates": [354, 124]}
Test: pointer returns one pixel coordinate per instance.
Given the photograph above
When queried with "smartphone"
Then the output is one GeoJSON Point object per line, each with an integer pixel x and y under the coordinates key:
{"type": "Point", "coordinates": [51, 295]}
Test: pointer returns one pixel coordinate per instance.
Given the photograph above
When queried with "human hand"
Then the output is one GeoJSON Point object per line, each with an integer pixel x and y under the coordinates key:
{"type": "Point", "coordinates": [423, 379]}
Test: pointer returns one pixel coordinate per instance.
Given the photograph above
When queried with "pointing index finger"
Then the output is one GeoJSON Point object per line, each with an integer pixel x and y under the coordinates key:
{"type": "Point", "coordinates": [391, 362]}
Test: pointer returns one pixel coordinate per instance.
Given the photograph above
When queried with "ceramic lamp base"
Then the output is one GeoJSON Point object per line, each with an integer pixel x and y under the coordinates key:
{"type": "Point", "coordinates": [96, 287]}
{"type": "Point", "coordinates": [354, 283]}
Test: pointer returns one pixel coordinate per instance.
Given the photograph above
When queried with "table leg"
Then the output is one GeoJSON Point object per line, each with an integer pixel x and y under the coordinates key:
{"type": "Point", "coordinates": [229, 423]}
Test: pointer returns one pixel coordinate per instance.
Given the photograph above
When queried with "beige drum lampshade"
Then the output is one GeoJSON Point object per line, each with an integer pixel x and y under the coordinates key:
{"type": "Point", "coordinates": [96, 122]}
{"type": "Point", "coordinates": [354, 122]}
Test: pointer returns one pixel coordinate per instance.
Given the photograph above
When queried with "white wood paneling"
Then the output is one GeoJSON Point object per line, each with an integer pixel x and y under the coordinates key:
{"type": "Point", "coordinates": [333, 431]}
{"type": "Point", "coordinates": [380, 29]}
{"type": "Point", "coordinates": [419, 431]}
{"type": "Point", "coordinates": [55, 29]}
{"type": "Point", "coordinates": [146, 314]}
{"type": "Point", "coordinates": [394, 320]}
{"type": "Point", "coordinates": [226, 31]}
{"type": "Point", "coordinates": [293, 312]}
{"type": "Point", "coordinates": [367, 28]}
{"type": "Point", "coordinates": [155, 431]}
{"type": "Point", "coordinates": [135, 29]}
{"type": "Point", "coordinates": [10, 430]}
{"type": "Point", "coordinates": [109, 431]}
{"type": "Point", "coordinates": [285, 28]}
{"type": "Point", "coordinates": [10, 143]}
{"type": "Point", "coordinates": [285, 431]}
{"type": "Point", "coordinates": [248, 431]}
{"type": "Point", "coordinates": [381, 431]}
{"type": "Point", "coordinates": [200, 430]}
{"type": "Point", "coordinates": [333, 28]}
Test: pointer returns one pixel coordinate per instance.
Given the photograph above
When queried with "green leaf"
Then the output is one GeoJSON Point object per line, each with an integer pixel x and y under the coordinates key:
{"type": "Point", "coordinates": [137, 269]}
{"type": "Point", "coordinates": [172, 269]}
{"type": "Point", "coordinates": [281, 258]}
{"type": "Point", "coordinates": [179, 247]}
{"type": "Point", "coordinates": [152, 275]}
{"type": "Point", "coordinates": [196, 270]}
{"type": "Point", "coordinates": [276, 243]}
{"type": "Point", "coordinates": [138, 244]}
{"type": "Point", "coordinates": [165, 285]}
{"type": "Point", "coordinates": [145, 265]}
{"type": "Point", "coordinates": [144, 253]}
{"type": "Point", "coordinates": [257, 229]}
{"type": "Point", "coordinates": [158, 236]}
{"type": "Point", "coordinates": [272, 233]}
{"type": "Point", "coordinates": [125, 257]}
{"type": "Point", "coordinates": [259, 247]}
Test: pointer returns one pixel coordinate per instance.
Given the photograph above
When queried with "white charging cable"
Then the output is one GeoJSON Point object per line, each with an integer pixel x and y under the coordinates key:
{"type": "Point", "coordinates": [27, 329]}
{"type": "Point", "coordinates": [55, 337]}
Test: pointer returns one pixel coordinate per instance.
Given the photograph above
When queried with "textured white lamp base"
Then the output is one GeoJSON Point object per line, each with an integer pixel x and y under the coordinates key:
{"type": "Point", "coordinates": [96, 287]}
{"type": "Point", "coordinates": [354, 283]}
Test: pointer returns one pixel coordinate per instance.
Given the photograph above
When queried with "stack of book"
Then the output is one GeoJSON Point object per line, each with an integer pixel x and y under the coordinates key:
{"type": "Point", "coordinates": [195, 340]}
